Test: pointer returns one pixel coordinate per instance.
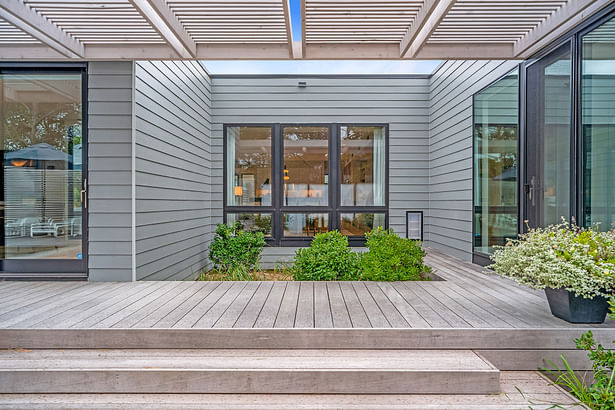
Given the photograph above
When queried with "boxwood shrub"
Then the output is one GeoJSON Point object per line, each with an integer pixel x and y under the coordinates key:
{"type": "Point", "coordinates": [327, 258]}
{"type": "Point", "coordinates": [234, 249]}
{"type": "Point", "coordinates": [392, 258]}
{"type": "Point", "coordinates": [389, 258]}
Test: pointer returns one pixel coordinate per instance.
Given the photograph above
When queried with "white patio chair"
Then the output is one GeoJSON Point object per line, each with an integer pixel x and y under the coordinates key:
{"type": "Point", "coordinates": [44, 228]}
{"type": "Point", "coordinates": [75, 226]}
{"type": "Point", "coordinates": [21, 226]}
{"type": "Point", "coordinates": [12, 228]}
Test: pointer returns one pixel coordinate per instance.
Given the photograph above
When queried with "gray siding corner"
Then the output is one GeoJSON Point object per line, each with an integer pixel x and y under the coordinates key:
{"type": "Point", "coordinates": [172, 169]}
{"type": "Point", "coordinates": [448, 222]}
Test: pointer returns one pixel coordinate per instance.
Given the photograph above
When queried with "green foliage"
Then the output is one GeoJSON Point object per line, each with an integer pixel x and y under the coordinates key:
{"type": "Point", "coordinates": [568, 379]}
{"type": "Point", "coordinates": [600, 394]}
{"type": "Point", "coordinates": [389, 258]}
{"type": "Point", "coordinates": [235, 252]}
{"type": "Point", "coordinates": [27, 126]}
{"type": "Point", "coordinates": [327, 258]}
{"type": "Point", "coordinates": [392, 258]}
{"type": "Point", "coordinates": [580, 260]}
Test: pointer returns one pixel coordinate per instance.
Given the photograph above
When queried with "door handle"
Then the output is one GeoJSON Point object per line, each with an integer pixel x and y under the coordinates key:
{"type": "Point", "coordinates": [83, 195]}
{"type": "Point", "coordinates": [529, 190]}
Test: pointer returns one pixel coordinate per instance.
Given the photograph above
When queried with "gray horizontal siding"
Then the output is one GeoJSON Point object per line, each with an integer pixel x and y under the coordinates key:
{"type": "Point", "coordinates": [400, 102]}
{"type": "Point", "coordinates": [449, 218]}
{"type": "Point", "coordinates": [110, 171]}
{"type": "Point", "coordinates": [172, 168]}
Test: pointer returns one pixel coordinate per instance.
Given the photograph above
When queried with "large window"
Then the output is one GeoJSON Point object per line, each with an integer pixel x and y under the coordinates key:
{"type": "Point", "coordinates": [42, 173]}
{"type": "Point", "coordinates": [294, 181]}
{"type": "Point", "coordinates": [496, 163]}
{"type": "Point", "coordinates": [598, 125]}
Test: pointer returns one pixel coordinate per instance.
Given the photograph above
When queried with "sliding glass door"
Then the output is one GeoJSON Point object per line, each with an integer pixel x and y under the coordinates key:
{"type": "Point", "coordinates": [43, 195]}
{"type": "Point", "coordinates": [549, 138]}
{"type": "Point", "coordinates": [598, 125]}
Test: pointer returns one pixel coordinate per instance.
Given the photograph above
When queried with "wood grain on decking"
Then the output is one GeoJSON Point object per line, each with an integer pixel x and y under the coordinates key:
{"type": "Point", "coordinates": [519, 390]}
{"type": "Point", "coordinates": [466, 298]}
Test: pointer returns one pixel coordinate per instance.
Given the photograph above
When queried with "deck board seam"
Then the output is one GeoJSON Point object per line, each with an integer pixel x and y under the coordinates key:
{"type": "Point", "coordinates": [213, 288]}
{"type": "Point", "coordinates": [246, 305]}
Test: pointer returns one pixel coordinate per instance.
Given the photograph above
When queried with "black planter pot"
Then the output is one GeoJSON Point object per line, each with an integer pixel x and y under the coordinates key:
{"type": "Point", "coordinates": [576, 309]}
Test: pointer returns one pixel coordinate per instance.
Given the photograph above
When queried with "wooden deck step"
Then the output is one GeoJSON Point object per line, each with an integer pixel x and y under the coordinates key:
{"type": "Point", "coordinates": [519, 390]}
{"type": "Point", "coordinates": [247, 371]}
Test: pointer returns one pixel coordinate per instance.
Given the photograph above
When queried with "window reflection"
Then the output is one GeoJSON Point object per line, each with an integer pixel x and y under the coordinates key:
{"type": "Point", "coordinates": [358, 224]}
{"type": "Point", "coordinates": [305, 224]}
{"type": "Point", "coordinates": [248, 151]}
{"type": "Point", "coordinates": [306, 166]}
{"type": "Point", "coordinates": [598, 112]}
{"type": "Point", "coordinates": [252, 222]}
{"type": "Point", "coordinates": [363, 167]}
{"type": "Point", "coordinates": [495, 163]}
{"type": "Point", "coordinates": [42, 163]}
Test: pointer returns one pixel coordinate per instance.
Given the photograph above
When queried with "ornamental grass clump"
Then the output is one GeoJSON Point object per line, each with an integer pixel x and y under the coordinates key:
{"type": "Point", "coordinates": [562, 256]}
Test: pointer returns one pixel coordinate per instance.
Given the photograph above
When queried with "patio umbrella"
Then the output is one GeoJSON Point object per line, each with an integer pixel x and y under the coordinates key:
{"type": "Point", "coordinates": [40, 152]}
{"type": "Point", "coordinates": [509, 175]}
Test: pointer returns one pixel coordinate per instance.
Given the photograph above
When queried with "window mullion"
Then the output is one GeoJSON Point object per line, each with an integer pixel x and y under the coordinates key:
{"type": "Point", "coordinates": [277, 152]}
{"type": "Point", "coordinates": [334, 175]}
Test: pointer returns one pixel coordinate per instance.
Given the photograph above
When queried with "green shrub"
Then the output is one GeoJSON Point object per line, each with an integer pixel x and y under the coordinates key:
{"type": "Point", "coordinates": [392, 258]}
{"type": "Point", "coordinates": [327, 258]}
{"type": "Point", "coordinates": [600, 394]}
{"type": "Point", "coordinates": [234, 250]}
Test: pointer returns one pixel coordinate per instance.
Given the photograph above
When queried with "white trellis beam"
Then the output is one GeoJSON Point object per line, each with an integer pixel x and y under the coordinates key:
{"type": "Point", "coordinates": [160, 16]}
{"type": "Point", "coordinates": [29, 21]}
{"type": "Point", "coordinates": [425, 23]}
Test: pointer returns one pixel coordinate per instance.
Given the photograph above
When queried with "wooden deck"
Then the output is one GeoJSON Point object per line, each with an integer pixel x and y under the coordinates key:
{"type": "Point", "coordinates": [466, 298]}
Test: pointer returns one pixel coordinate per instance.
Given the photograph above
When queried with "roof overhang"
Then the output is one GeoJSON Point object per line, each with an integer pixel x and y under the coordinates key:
{"type": "Point", "coordinates": [262, 29]}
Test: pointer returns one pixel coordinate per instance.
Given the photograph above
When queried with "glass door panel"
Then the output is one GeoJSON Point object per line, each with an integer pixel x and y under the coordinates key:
{"type": "Point", "coordinates": [598, 125]}
{"type": "Point", "coordinates": [496, 118]}
{"type": "Point", "coordinates": [42, 179]}
{"type": "Point", "coordinates": [548, 138]}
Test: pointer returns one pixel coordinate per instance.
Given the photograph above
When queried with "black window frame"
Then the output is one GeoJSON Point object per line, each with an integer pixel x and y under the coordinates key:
{"type": "Point", "coordinates": [333, 209]}
{"type": "Point", "coordinates": [73, 269]}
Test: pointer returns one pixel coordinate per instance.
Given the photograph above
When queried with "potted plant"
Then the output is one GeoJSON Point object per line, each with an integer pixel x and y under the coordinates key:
{"type": "Point", "coordinates": [575, 266]}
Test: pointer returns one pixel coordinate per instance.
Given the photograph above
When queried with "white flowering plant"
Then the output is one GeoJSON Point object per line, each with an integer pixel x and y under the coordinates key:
{"type": "Point", "coordinates": [580, 260]}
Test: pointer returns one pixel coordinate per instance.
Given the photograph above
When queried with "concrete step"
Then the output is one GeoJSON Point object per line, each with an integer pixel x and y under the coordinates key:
{"type": "Point", "coordinates": [242, 371]}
